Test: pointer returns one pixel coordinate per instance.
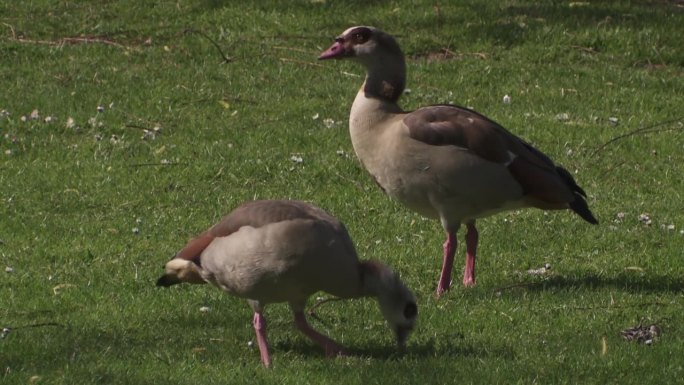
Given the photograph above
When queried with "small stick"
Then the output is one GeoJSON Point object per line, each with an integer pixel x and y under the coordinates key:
{"type": "Point", "coordinates": [137, 126]}
{"type": "Point", "coordinates": [156, 164]}
{"type": "Point", "coordinates": [447, 51]}
{"type": "Point", "coordinates": [64, 40]}
{"type": "Point", "coordinates": [300, 62]}
{"type": "Point", "coordinates": [39, 325]}
{"type": "Point", "coordinates": [643, 130]}
{"type": "Point", "coordinates": [319, 303]}
{"type": "Point", "coordinates": [226, 59]}
{"type": "Point", "coordinates": [306, 51]}
{"type": "Point", "coordinates": [14, 34]}
{"type": "Point", "coordinates": [6, 330]}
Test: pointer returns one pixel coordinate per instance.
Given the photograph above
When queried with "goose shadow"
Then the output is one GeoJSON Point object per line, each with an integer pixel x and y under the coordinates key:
{"type": "Point", "coordinates": [624, 281]}
{"type": "Point", "coordinates": [456, 347]}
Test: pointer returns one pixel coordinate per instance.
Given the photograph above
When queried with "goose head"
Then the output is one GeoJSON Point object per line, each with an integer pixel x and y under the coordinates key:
{"type": "Point", "coordinates": [398, 306]}
{"type": "Point", "coordinates": [379, 53]}
{"type": "Point", "coordinates": [363, 43]}
{"type": "Point", "coordinates": [180, 270]}
{"type": "Point", "coordinates": [397, 302]}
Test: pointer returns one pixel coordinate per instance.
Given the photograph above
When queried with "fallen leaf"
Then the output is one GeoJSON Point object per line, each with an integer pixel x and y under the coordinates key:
{"type": "Point", "coordinates": [57, 289]}
{"type": "Point", "coordinates": [604, 346]}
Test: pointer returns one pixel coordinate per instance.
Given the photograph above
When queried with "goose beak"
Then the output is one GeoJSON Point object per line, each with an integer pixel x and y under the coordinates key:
{"type": "Point", "coordinates": [167, 280]}
{"type": "Point", "coordinates": [402, 333]}
{"type": "Point", "coordinates": [335, 51]}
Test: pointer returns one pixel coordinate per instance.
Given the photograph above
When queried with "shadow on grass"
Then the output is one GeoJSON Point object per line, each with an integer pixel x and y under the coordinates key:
{"type": "Point", "coordinates": [284, 338]}
{"type": "Point", "coordinates": [455, 347]}
{"type": "Point", "coordinates": [286, 6]}
{"type": "Point", "coordinates": [513, 25]}
{"type": "Point", "coordinates": [632, 283]}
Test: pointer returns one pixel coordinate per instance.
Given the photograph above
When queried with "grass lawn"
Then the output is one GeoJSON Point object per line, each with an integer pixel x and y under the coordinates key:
{"type": "Point", "coordinates": [124, 132]}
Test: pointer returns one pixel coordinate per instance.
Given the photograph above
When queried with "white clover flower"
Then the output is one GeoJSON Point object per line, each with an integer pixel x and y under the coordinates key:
{"type": "Point", "coordinates": [540, 271]}
{"type": "Point", "coordinates": [645, 218]}
{"type": "Point", "coordinates": [563, 117]}
{"type": "Point", "coordinates": [328, 122]}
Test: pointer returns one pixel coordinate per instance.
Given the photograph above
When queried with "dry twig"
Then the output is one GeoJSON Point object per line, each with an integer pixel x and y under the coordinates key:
{"type": "Point", "coordinates": [319, 303]}
{"type": "Point", "coordinates": [65, 40]}
{"type": "Point", "coordinates": [300, 62]}
{"type": "Point", "coordinates": [644, 130]}
{"type": "Point", "coordinates": [226, 59]}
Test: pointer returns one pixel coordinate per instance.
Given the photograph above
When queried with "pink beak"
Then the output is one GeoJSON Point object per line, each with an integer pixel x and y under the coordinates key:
{"type": "Point", "coordinates": [335, 51]}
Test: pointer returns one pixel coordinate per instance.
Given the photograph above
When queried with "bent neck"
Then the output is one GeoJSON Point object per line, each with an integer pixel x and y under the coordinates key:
{"type": "Point", "coordinates": [385, 78]}
{"type": "Point", "coordinates": [375, 278]}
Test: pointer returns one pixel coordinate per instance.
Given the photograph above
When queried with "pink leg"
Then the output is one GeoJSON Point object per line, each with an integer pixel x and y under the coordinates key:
{"type": "Point", "coordinates": [447, 263]}
{"type": "Point", "coordinates": [332, 349]}
{"type": "Point", "coordinates": [260, 329]}
{"type": "Point", "coordinates": [471, 248]}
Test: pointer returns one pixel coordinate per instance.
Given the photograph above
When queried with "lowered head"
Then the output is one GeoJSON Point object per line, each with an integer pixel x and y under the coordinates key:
{"type": "Point", "coordinates": [180, 270]}
{"type": "Point", "coordinates": [397, 302]}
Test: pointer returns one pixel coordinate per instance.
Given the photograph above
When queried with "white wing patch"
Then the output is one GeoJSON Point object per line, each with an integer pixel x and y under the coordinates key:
{"type": "Point", "coordinates": [511, 158]}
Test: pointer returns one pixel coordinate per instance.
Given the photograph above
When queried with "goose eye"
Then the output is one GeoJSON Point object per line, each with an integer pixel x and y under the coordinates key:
{"type": "Point", "coordinates": [361, 35]}
{"type": "Point", "coordinates": [410, 310]}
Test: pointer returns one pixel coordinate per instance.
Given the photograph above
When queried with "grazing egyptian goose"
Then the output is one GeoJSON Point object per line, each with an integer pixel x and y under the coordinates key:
{"type": "Point", "coordinates": [443, 161]}
{"type": "Point", "coordinates": [284, 251]}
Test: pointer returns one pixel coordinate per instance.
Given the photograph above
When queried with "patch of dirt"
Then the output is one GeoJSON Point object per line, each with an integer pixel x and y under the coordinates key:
{"type": "Point", "coordinates": [643, 334]}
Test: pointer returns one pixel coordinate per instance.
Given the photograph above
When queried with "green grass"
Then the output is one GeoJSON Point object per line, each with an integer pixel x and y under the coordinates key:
{"type": "Point", "coordinates": [70, 197]}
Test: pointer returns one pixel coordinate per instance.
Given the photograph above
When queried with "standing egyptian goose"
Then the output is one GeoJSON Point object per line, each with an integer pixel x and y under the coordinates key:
{"type": "Point", "coordinates": [284, 251]}
{"type": "Point", "coordinates": [443, 161]}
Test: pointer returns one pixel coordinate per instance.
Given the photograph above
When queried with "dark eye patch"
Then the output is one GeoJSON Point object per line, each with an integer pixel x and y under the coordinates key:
{"type": "Point", "coordinates": [410, 310]}
{"type": "Point", "coordinates": [361, 35]}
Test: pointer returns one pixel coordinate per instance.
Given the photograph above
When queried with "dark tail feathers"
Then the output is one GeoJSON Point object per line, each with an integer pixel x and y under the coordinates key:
{"type": "Point", "coordinates": [579, 205]}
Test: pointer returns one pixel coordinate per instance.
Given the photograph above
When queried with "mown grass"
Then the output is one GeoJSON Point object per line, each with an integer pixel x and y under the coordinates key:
{"type": "Point", "coordinates": [80, 297]}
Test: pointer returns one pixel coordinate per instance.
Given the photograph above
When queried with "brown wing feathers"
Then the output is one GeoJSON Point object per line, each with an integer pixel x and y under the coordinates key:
{"type": "Point", "coordinates": [255, 214]}
{"type": "Point", "coordinates": [456, 126]}
{"type": "Point", "coordinates": [194, 248]}
{"type": "Point", "coordinates": [549, 186]}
